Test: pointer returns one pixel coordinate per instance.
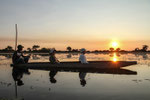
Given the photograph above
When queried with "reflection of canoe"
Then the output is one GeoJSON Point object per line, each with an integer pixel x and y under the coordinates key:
{"type": "Point", "coordinates": [77, 65]}
{"type": "Point", "coordinates": [103, 71]}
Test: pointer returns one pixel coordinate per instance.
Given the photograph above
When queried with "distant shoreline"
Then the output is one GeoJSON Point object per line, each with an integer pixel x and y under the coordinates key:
{"type": "Point", "coordinates": [66, 52]}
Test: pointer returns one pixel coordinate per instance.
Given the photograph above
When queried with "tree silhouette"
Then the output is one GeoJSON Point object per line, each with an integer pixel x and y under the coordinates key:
{"type": "Point", "coordinates": [69, 48]}
{"type": "Point", "coordinates": [137, 49]}
{"type": "Point", "coordinates": [35, 47]}
{"type": "Point", "coordinates": [75, 50]}
{"type": "Point", "coordinates": [118, 49]}
{"type": "Point", "coordinates": [44, 50]}
{"type": "Point", "coordinates": [111, 49]}
{"type": "Point", "coordinates": [29, 49]}
{"type": "Point", "coordinates": [145, 47]}
{"type": "Point", "coordinates": [9, 48]}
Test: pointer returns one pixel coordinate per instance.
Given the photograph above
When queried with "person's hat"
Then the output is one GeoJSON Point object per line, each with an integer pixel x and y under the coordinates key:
{"type": "Point", "coordinates": [52, 50]}
{"type": "Point", "coordinates": [20, 46]}
{"type": "Point", "coordinates": [53, 80]}
{"type": "Point", "coordinates": [20, 83]}
{"type": "Point", "coordinates": [83, 82]}
{"type": "Point", "coordinates": [82, 50]}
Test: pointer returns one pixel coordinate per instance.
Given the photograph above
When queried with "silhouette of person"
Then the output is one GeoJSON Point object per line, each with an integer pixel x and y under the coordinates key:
{"type": "Point", "coordinates": [52, 74]}
{"type": "Point", "coordinates": [18, 56]}
{"type": "Point", "coordinates": [52, 58]}
{"type": "Point", "coordinates": [82, 78]}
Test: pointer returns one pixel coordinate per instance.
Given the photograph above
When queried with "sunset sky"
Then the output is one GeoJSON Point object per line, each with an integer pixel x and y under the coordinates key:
{"type": "Point", "coordinates": [92, 24]}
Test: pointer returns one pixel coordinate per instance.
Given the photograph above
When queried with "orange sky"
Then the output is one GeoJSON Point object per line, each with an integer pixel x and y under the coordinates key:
{"type": "Point", "coordinates": [89, 45]}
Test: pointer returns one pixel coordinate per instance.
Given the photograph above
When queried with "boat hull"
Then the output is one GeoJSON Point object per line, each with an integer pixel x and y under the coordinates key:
{"type": "Point", "coordinates": [77, 65]}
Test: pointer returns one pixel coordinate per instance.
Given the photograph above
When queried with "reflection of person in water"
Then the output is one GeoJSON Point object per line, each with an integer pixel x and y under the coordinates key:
{"type": "Point", "coordinates": [52, 74]}
{"type": "Point", "coordinates": [18, 74]}
{"type": "Point", "coordinates": [82, 78]}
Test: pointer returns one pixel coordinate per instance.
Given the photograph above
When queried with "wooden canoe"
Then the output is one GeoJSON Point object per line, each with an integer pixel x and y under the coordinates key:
{"type": "Point", "coordinates": [77, 65]}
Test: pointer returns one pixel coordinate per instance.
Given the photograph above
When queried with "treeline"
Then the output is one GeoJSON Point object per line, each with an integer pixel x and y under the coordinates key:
{"type": "Point", "coordinates": [37, 49]}
{"type": "Point", "coordinates": [143, 49]}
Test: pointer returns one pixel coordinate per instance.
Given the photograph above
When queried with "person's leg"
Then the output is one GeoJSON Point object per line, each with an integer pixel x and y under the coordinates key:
{"type": "Point", "coordinates": [26, 59]}
{"type": "Point", "coordinates": [20, 61]}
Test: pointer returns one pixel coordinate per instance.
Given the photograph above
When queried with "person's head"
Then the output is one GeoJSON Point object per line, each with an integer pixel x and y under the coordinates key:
{"type": "Point", "coordinates": [52, 51]}
{"type": "Point", "coordinates": [20, 47]}
{"type": "Point", "coordinates": [83, 82]}
{"type": "Point", "coordinates": [83, 50]}
{"type": "Point", "coordinates": [53, 80]}
{"type": "Point", "coordinates": [20, 83]}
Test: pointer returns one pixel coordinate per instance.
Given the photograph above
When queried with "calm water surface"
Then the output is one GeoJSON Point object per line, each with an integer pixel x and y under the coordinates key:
{"type": "Point", "coordinates": [44, 85]}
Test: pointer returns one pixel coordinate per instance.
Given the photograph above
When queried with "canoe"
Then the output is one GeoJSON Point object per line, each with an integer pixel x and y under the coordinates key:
{"type": "Point", "coordinates": [77, 65]}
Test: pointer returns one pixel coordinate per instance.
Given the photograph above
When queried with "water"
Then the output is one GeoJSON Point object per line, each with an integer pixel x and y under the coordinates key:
{"type": "Point", "coordinates": [37, 84]}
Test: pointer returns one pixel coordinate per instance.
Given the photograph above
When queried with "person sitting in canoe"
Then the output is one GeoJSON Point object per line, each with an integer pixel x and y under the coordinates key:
{"type": "Point", "coordinates": [18, 57]}
{"type": "Point", "coordinates": [52, 58]}
{"type": "Point", "coordinates": [82, 57]}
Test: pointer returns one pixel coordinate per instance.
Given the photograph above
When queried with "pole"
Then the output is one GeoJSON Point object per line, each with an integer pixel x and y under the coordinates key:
{"type": "Point", "coordinates": [16, 40]}
{"type": "Point", "coordinates": [16, 92]}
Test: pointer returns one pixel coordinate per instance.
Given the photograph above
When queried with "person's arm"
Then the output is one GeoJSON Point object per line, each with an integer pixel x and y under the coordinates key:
{"type": "Point", "coordinates": [57, 61]}
{"type": "Point", "coordinates": [22, 54]}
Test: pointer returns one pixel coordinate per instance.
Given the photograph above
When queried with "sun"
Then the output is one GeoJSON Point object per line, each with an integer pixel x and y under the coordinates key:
{"type": "Point", "coordinates": [115, 44]}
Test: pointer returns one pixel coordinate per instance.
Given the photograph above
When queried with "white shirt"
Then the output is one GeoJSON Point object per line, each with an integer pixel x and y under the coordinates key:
{"type": "Point", "coordinates": [82, 58]}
